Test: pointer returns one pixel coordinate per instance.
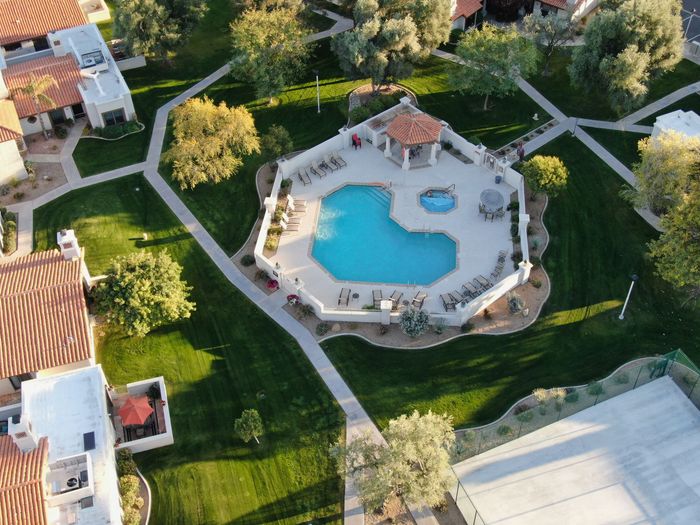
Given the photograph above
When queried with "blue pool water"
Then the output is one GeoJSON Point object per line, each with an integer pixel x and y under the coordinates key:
{"type": "Point", "coordinates": [356, 240]}
{"type": "Point", "coordinates": [437, 201]}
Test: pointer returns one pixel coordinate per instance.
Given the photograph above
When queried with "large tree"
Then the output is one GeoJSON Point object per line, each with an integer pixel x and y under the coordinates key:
{"type": "Point", "coordinates": [545, 174]}
{"type": "Point", "coordinates": [390, 36]}
{"type": "Point", "coordinates": [492, 61]}
{"type": "Point", "coordinates": [666, 164]}
{"type": "Point", "coordinates": [549, 32]}
{"type": "Point", "coordinates": [269, 48]}
{"type": "Point", "coordinates": [413, 463]}
{"type": "Point", "coordinates": [156, 27]}
{"type": "Point", "coordinates": [143, 291]}
{"type": "Point", "coordinates": [275, 143]}
{"type": "Point", "coordinates": [626, 45]}
{"type": "Point", "coordinates": [36, 89]}
{"type": "Point", "coordinates": [210, 141]}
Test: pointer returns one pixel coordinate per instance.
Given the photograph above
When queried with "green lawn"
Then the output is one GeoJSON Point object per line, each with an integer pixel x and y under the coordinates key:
{"type": "Point", "coordinates": [597, 242]}
{"type": "Point", "coordinates": [592, 102]}
{"type": "Point", "coordinates": [227, 357]}
{"type": "Point", "coordinates": [317, 22]}
{"type": "Point", "coordinates": [622, 144]}
{"type": "Point", "coordinates": [106, 26]}
{"type": "Point", "coordinates": [689, 103]}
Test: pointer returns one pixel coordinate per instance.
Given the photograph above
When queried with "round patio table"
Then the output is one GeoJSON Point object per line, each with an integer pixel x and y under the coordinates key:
{"type": "Point", "coordinates": [491, 200]}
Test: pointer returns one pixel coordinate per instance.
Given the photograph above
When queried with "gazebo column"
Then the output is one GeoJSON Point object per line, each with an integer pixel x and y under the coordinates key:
{"type": "Point", "coordinates": [406, 159]}
{"type": "Point", "coordinates": [387, 149]}
{"type": "Point", "coordinates": [433, 154]}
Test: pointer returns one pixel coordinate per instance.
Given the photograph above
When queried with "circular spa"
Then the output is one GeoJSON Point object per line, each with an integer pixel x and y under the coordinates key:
{"type": "Point", "coordinates": [438, 200]}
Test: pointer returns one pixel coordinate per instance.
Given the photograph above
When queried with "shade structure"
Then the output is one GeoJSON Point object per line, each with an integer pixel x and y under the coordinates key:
{"type": "Point", "coordinates": [135, 411]}
{"type": "Point", "coordinates": [414, 129]}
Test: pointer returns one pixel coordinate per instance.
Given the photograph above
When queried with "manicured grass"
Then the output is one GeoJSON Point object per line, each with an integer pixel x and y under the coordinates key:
{"type": "Point", "coordinates": [597, 242]}
{"type": "Point", "coordinates": [227, 357]}
{"type": "Point", "coordinates": [689, 103]}
{"type": "Point", "coordinates": [91, 158]}
{"type": "Point", "coordinates": [106, 26]}
{"type": "Point", "coordinates": [622, 144]}
{"type": "Point", "coordinates": [317, 22]}
{"type": "Point", "coordinates": [592, 102]}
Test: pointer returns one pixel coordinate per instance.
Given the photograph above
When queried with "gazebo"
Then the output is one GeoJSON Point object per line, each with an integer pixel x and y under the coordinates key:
{"type": "Point", "coordinates": [413, 129]}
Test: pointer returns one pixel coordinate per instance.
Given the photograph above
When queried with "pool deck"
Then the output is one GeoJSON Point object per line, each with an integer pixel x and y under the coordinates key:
{"type": "Point", "coordinates": [478, 241]}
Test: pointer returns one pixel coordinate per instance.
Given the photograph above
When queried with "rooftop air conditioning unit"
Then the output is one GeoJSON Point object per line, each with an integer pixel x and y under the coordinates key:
{"type": "Point", "coordinates": [89, 62]}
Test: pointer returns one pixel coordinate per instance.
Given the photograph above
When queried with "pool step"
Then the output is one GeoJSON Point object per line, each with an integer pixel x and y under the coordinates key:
{"type": "Point", "coordinates": [381, 196]}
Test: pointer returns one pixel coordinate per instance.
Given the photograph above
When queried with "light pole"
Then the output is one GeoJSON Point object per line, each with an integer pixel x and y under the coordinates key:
{"type": "Point", "coordinates": [318, 93]}
{"type": "Point", "coordinates": [634, 278]}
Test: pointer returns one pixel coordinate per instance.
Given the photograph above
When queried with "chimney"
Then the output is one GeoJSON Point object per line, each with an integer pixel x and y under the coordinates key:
{"type": "Point", "coordinates": [68, 243]}
{"type": "Point", "coordinates": [20, 428]}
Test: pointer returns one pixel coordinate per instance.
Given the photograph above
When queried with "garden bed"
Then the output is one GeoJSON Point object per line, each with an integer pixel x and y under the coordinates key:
{"type": "Point", "coordinates": [116, 132]}
{"type": "Point", "coordinates": [48, 176]}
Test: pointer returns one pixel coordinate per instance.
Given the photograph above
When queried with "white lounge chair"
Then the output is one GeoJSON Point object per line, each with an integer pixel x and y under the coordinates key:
{"type": "Point", "coordinates": [336, 157]}
{"type": "Point", "coordinates": [317, 170]}
{"type": "Point", "coordinates": [304, 177]}
{"type": "Point", "coordinates": [290, 220]}
{"type": "Point", "coordinates": [333, 165]}
{"type": "Point", "coordinates": [344, 298]}
{"type": "Point", "coordinates": [286, 228]}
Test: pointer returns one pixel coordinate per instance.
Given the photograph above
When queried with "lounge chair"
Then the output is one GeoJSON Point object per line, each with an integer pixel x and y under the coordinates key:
{"type": "Point", "coordinates": [471, 290]}
{"type": "Point", "coordinates": [479, 287]}
{"type": "Point", "coordinates": [338, 159]}
{"type": "Point", "coordinates": [484, 281]}
{"type": "Point", "coordinates": [289, 227]}
{"type": "Point", "coordinates": [459, 297]}
{"type": "Point", "coordinates": [377, 298]}
{"type": "Point", "coordinates": [448, 302]}
{"type": "Point", "coordinates": [290, 220]}
{"type": "Point", "coordinates": [396, 298]}
{"type": "Point", "coordinates": [419, 299]}
{"type": "Point", "coordinates": [344, 298]}
{"type": "Point", "coordinates": [304, 177]}
{"type": "Point", "coordinates": [317, 170]}
{"type": "Point", "coordinates": [500, 213]}
{"type": "Point", "coordinates": [327, 164]}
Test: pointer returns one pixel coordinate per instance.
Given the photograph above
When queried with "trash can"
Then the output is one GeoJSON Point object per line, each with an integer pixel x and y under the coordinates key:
{"type": "Point", "coordinates": [498, 179]}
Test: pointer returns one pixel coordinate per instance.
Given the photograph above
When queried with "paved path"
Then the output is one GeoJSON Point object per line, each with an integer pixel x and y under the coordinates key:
{"type": "Point", "coordinates": [615, 126]}
{"type": "Point", "coordinates": [341, 25]}
{"type": "Point", "coordinates": [660, 104]}
{"type": "Point", "coordinates": [545, 104]}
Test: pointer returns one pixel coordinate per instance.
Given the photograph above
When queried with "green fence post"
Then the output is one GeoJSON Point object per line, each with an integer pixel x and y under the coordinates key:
{"type": "Point", "coordinates": [635, 381]}
{"type": "Point", "coordinates": [693, 388]}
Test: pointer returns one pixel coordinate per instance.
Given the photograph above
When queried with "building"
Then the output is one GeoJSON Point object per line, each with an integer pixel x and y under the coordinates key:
{"type": "Point", "coordinates": [465, 12]}
{"type": "Point", "coordinates": [577, 9]}
{"type": "Point", "coordinates": [57, 463]}
{"type": "Point", "coordinates": [684, 122]}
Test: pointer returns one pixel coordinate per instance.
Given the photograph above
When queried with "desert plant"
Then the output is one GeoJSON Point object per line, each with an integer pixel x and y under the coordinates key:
{"type": "Point", "coordinates": [247, 260]}
{"type": "Point", "coordinates": [514, 229]}
{"type": "Point", "coordinates": [466, 327]}
{"type": "Point", "coordinates": [515, 302]}
{"type": "Point", "coordinates": [622, 378]}
{"type": "Point", "coordinates": [305, 310]}
{"type": "Point", "coordinates": [536, 283]}
{"type": "Point", "coordinates": [322, 329]}
{"type": "Point", "coordinates": [413, 322]}
{"type": "Point", "coordinates": [261, 275]}
{"type": "Point", "coordinates": [571, 397]}
{"type": "Point", "coordinates": [525, 417]}
{"type": "Point", "coordinates": [487, 314]}
{"type": "Point", "coordinates": [439, 326]}
{"type": "Point", "coordinates": [595, 388]}
{"type": "Point", "coordinates": [513, 206]}
{"type": "Point", "coordinates": [383, 329]}
{"type": "Point", "coordinates": [18, 195]}
{"type": "Point", "coordinates": [536, 261]}
{"type": "Point", "coordinates": [4, 189]}
{"type": "Point", "coordinates": [535, 244]}
{"type": "Point", "coordinates": [504, 430]}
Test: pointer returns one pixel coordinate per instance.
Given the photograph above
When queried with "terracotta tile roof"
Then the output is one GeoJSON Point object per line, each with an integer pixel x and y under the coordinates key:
{"type": "Point", "coordinates": [43, 314]}
{"type": "Point", "coordinates": [27, 19]}
{"type": "Point", "coordinates": [63, 69]}
{"type": "Point", "coordinates": [466, 8]}
{"type": "Point", "coordinates": [22, 500]}
{"type": "Point", "coordinates": [10, 128]}
{"type": "Point", "coordinates": [412, 129]}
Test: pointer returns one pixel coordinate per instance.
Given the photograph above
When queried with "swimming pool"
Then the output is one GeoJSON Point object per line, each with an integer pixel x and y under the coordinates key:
{"type": "Point", "coordinates": [356, 240]}
{"type": "Point", "coordinates": [437, 201]}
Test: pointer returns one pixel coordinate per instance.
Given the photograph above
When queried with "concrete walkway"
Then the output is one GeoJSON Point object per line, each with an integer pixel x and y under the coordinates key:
{"type": "Point", "coordinates": [341, 25]}
{"type": "Point", "coordinates": [660, 104]}
{"type": "Point", "coordinates": [614, 126]}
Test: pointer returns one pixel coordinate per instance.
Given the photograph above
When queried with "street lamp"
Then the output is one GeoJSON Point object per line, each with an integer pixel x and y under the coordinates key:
{"type": "Point", "coordinates": [318, 93]}
{"type": "Point", "coordinates": [634, 278]}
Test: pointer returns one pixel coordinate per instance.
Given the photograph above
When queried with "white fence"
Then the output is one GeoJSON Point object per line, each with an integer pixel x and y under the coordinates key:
{"type": "Point", "coordinates": [287, 168]}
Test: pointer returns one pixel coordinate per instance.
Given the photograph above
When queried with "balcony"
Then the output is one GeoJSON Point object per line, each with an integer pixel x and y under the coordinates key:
{"type": "Point", "coordinates": [145, 404]}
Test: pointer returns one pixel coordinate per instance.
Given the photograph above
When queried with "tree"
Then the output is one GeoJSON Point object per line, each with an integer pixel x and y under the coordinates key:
{"type": "Point", "coordinates": [275, 143]}
{"type": "Point", "coordinates": [390, 37]}
{"type": "Point", "coordinates": [545, 174]}
{"type": "Point", "coordinates": [666, 164]}
{"type": "Point", "coordinates": [549, 32]}
{"type": "Point", "coordinates": [677, 251]}
{"type": "Point", "coordinates": [156, 27]}
{"type": "Point", "coordinates": [210, 141]}
{"type": "Point", "coordinates": [412, 463]}
{"type": "Point", "coordinates": [249, 425]}
{"type": "Point", "coordinates": [492, 61]}
{"type": "Point", "coordinates": [627, 44]}
{"type": "Point", "coordinates": [36, 90]}
{"type": "Point", "coordinates": [143, 291]}
{"type": "Point", "coordinates": [269, 49]}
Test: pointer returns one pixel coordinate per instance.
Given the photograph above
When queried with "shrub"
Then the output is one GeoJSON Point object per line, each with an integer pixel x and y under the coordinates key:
{"type": "Point", "coordinates": [535, 245]}
{"type": "Point", "coordinates": [622, 378]}
{"type": "Point", "coordinates": [387, 101]}
{"type": "Point", "coordinates": [360, 114]}
{"type": "Point", "coordinates": [261, 274]}
{"type": "Point", "coordinates": [571, 397]}
{"type": "Point", "coordinates": [30, 167]}
{"type": "Point", "coordinates": [305, 310]}
{"type": "Point", "coordinates": [61, 132]}
{"type": "Point", "coordinates": [447, 146]}
{"type": "Point", "coordinates": [514, 230]}
{"type": "Point", "coordinates": [595, 388]}
{"type": "Point", "coordinates": [439, 326]}
{"type": "Point", "coordinates": [4, 189]}
{"type": "Point", "coordinates": [514, 218]}
{"type": "Point", "coordinates": [129, 487]}
{"type": "Point", "coordinates": [131, 516]}
{"type": "Point", "coordinates": [487, 314]}
{"type": "Point", "coordinates": [466, 327]}
{"type": "Point", "coordinates": [536, 283]}
{"type": "Point", "coordinates": [504, 430]}
{"type": "Point", "coordinates": [18, 196]}
{"type": "Point", "coordinates": [10, 216]}
{"type": "Point", "coordinates": [536, 261]}
{"type": "Point", "coordinates": [513, 206]}
{"type": "Point", "coordinates": [541, 395]}
{"type": "Point", "coordinates": [285, 183]}
{"type": "Point", "coordinates": [515, 302]}
{"type": "Point", "coordinates": [474, 139]}
{"type": "Point", "coordinates": [530, 229]}
{"type": "Point", "coordinates": [383, 329]}
{"type": "Point", "coordinates": [375, 106]}
{"type": "Point", "coordinates": [516, 239]}
{"type": "Point", "coordinates": [526, 416]}
{"type": "Point", "coordinates": [413, 322]}
{"type": "Point", "coordinates": [125, 463]}
{"type": "Point", "coordinates": [272, 241]}
{"type": "Point", "coordinates": [14, 182]}
{"type": "Point", "coordinates": [455, 35]}
{"type": "Point", "coordinates": [248, 260]}
{"type": "Point", "coordinates": [322, 328]}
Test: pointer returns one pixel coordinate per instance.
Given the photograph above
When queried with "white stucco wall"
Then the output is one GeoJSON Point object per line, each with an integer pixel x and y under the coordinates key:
{"type": "Point", "coordinates": [29, 128]}
{"type": "Point", "coordinates": [94, 111]}
{"type": "Point", "coordinates": [11, 162]}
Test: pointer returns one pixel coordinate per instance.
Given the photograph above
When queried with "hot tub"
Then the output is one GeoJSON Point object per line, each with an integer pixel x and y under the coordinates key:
{"type": "Point", "coordinates": [437, 201]}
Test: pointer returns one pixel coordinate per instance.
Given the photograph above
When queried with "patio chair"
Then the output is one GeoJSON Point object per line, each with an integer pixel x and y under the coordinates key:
{"type": "Point", "coordinates": [344, 298]}
{"type": "Point", "coordinates": [502, 255]}
{"type": "Point", "coordinates": [295, 203]}
{"type": "Point", "coordinates": [482, 208]}
{"type": "Point", "coordinates": [304, 178]}
{"type": "Point", "coordinates": [479, 287]}
{"type": "Point", "coordinates": [472, 291]}
{"type": "Point", "coordinates": [448, 302]}
{"type": "Point", "coordinates": [317, 170]}
{"type": "Point", "coordinates": [459, 297]}
{"type": "Point", "coordinates": [396, 298]}
{"type": "Point", "coordinates": [484, 281]}
{"type": "Point", "coordinates": [289, 227]}
{"type": "Point", "coordinates": [500, 213]}
{"type": "Point", "coordinates": [337, 158]}
{"type": "Point", "coordinates": [290, 220]}
{"type": "Point", "coordinates": [377, 298]}
{"type": "Point", "coordinates": [327, 164]}
{"type": "Point", "coordinates": [419, 299]}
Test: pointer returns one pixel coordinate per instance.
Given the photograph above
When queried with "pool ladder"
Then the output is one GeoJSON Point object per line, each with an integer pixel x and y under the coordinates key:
{"type": "Point", "coordinates": [450, 188]}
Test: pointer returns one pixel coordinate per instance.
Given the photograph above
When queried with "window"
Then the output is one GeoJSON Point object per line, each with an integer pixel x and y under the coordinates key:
{"type": "Point", "coordinates": [78, 110]}
{"type": "Point", "coordinates": [114, 117]}
{"type": "Point", "coordinates": [88, 441]}
{"type": "Point", "coordinates": [86, 503]}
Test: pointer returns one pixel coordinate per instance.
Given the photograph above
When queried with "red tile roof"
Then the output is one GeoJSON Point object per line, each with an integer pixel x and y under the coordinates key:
{"type": "Point", "coordinates": [413, 129]}
{"type": "Point", "coordinates": [27, 19]}
{"type": "Point", "coordinates": [10, 128]}
{"type": "Point", "coordinates": [43, 314]}
{"type": "Point", "coordinates": [22, 500]}
{"type": "Point", "coordinates": [466, 8]}
{"type": "Point", "coordinates": [63, 69]}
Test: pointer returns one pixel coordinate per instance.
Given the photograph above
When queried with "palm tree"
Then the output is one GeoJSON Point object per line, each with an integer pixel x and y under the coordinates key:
{"type": "Point", "coordinates": [36, 89]}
